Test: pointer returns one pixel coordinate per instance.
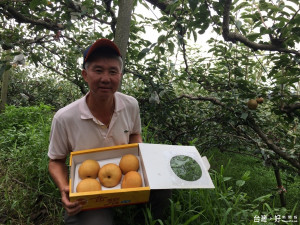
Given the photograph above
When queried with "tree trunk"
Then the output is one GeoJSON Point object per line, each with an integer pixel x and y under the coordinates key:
{"type": "Point", "coordinates": [123, 28]}
{"type": "Point", "coordinates": [281, 189]}
{"type": "Point", "coordinates": [4, 87]}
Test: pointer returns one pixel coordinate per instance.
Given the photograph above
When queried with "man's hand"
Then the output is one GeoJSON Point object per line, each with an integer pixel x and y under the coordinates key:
{"type": "Point", "coordinates": [72, 208]}
{"type": "Point", "coordinates": [135, 138]}
{"type": "Point", "coordinates": [59, 172]}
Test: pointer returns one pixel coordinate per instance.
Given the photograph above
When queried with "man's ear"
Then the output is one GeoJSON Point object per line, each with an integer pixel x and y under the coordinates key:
{"type": "Point", "coordinates": [84, 74]}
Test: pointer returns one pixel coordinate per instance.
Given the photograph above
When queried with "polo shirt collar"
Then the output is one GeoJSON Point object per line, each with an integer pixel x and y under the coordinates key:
{"type": "Point", "coordinates": [119, 103]}
{"type": "Point", "coordinates": [85, 112]}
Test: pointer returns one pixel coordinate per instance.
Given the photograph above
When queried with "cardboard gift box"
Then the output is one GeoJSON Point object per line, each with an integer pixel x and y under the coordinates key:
{"type": "Point", "coordinates": [155, 169]}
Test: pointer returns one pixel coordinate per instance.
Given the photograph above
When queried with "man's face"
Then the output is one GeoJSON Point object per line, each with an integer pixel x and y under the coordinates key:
{"type": "Point", "coordinates": [103, 76]}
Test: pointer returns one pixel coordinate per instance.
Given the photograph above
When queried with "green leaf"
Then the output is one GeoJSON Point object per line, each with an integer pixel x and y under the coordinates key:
{"type": "Point", "coordinates": [143, 53]}
{"type": "Point", "coordinates": [294, 1]}
{"type": "Point", "coordinates": [246, 175]}
{"type": "Point", "coordinates": [290, 8]}
{"type": "Point", "coordinates": [172, 7]}
{"type": "Point", "coordinates": [171, 47]}
{"type": "Point", "coordinates": [195, 35]}
{"type": "Point", "coordinates": [244, 116]}
{"type": "Point", "coordinates": [224, 220]}
{"type": "Point", "coordinates": [240, 183]}
{"type": "Point", "coordinates": [287, 80]}
{"type": "Point", "coordinates": [161, 39]}
{"type": "Point", "coordinates": [227, 178]}
{"type": "Point", "coordinates": [193, 218]}
{"type": "Point", "coordinates": [242, 5]}
{"type": "Point", "coordinates": [162, 50]}
{"type": "Point", "coordinates": [238, 24]}
{"type": "Point", "coordinates": [296, 30]}
{"type": "Point", "coordinates": [253, 36]}
{"type": "Point", "coordinates": [35, 3]}
{"type": "Point", "coordinates": [193, 4]}
{"type": "Point", "coordinates": [35, 58]}
{"type": "Point", "coordinates": [262, 198]}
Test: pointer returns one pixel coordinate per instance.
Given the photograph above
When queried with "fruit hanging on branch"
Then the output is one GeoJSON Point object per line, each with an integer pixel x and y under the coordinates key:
{"type": "Point", "coordinates": [260, 100]}
{"type": "Point", "coordinates": [252, 104]}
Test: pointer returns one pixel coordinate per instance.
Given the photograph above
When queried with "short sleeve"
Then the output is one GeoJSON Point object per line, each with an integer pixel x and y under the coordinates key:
{"type": "Point", "coordinates": [58, 147]}
{"type": "Point", "coordinates": [137, 129]}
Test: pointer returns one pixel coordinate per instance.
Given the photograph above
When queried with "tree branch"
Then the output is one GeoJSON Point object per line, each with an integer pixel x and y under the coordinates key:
{"type": "Point", "coordinates": [255, 127]}
{"type": "Point", "coordinates": [37, 40]}
{"type": "Point", "coordinates": [46, 23]}
{"type": "Point", "coordinates": [74, 8]}
{"type": "Point", "coordinates": [162, 5]}
{"type": "Point", "coordinates": [271, 145]}
{"type": "Point", "coordinates": [290, 108]}
{"type": "Point", "coordinates": [81, 87]}
{"type": "Point", "coordinates": [112, 14]}
{"type": "Point", "coordinates": [23, 19]}
{"type": "Point", "coordinates": [210, 99]}
{"type": "Point", "coordinates": [234, 37]}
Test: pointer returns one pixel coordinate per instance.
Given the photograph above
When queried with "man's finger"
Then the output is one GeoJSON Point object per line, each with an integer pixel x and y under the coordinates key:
{"type": "Point", "coordinates": [74, 211]}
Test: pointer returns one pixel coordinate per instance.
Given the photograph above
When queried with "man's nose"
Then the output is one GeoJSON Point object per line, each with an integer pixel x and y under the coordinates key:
{"type": "Point", "coordinates": [105, 77]}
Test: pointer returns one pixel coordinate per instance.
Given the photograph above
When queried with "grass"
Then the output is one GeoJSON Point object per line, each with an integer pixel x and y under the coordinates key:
{"type": "Point", "coordinates": [29, 195]}
{"type": "Point", "coordinates": [243, 188]}
{"type": "Point", "coordinates": [261, 177]}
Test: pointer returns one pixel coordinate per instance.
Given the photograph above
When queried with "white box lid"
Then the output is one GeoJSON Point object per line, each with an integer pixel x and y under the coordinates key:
{"type": "Point", "coordinates": [160, 174]}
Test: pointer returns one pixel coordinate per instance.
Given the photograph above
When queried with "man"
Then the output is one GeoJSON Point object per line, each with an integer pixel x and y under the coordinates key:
{"type": "Point", "coordinates": [104, 117]}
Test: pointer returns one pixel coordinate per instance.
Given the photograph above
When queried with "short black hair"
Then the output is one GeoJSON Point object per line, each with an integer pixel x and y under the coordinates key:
{"type": "Point", "coordinates": [103, 52]}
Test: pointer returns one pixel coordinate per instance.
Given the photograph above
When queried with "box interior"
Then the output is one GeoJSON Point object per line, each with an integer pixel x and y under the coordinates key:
{"type": "Point", "coordinates": [104, 157]}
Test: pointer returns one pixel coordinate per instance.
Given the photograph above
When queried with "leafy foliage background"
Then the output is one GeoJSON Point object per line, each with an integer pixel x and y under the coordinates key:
{"type": "Point", "coordinates": [187, 95]}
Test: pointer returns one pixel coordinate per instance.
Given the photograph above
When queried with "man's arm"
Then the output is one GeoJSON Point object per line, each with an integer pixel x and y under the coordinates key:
{"type": "Point", "coordinates": [59, 173]}
{"type": "Point", "coordinates": [135, 138]}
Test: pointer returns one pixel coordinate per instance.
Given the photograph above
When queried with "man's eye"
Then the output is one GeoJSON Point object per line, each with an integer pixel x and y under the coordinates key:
{"type": "Point", "coordinates": [113, 72]}
{"type": "Point", "coordinates": [99, 71]}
